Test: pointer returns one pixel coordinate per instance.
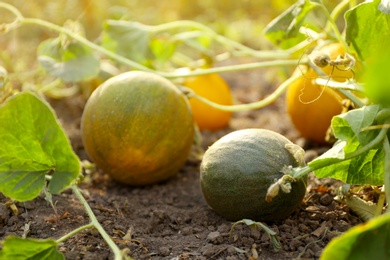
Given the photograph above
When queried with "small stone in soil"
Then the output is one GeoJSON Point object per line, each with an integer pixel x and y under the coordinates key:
{"type": "Point", "coordinates": [255, 234]}
{"type": "Point", "coordinates": [295, 231]}
{"type": "Point", "coordinates": [224, 228]}
{"type": "Point", "coordinates": [209, 250]}
{"type": "Point", "coordinates": [4, 213]}
{"type": "Point", "coordinates": [164, 251]}
{"type": "Point", "coordinates": [326, 199]}
{"type": "Point", "coordinates": [341, 225]}
{"type": "Point", "coordinates": [294, 244]}
{"type": "Point", "coordinates": [187, 231]}
{"type": "Point", "coordinates": [215, 237]}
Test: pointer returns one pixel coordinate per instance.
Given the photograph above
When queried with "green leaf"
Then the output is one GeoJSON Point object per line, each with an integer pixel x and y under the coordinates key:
{"type": "Point", "coordinates": [348, 125]}
{"type": "Point", "coordinates": [334, 169]}
{"type": "Point", "coordinates": [365, 241]}
{"type": "Point", "coordinates": [363, 169]}
{"type": "Point", "coordinates": [368, 28]}
{"type": "Point", "coordinates": [128, 39]}
{"type": "Point", "coordinates": [366, 168]}
{"type": "Point", "coordinates": [71, 62]}
{"type": "Point", "coordinates": [17, 248]}
{"type": "Point", "coordinates": [33, 144]}
{"type": "Point", "coordinates": [284, 29]}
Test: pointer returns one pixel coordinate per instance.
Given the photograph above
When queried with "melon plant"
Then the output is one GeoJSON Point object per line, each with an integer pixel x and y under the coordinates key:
{"type": "Point", "coordinates": [238, 170]}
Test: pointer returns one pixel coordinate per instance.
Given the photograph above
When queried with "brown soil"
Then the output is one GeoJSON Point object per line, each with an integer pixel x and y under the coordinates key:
{"type": "Point", "coordinates": [170, 220]}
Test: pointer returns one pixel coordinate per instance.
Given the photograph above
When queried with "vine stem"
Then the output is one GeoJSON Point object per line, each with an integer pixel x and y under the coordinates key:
{"type": "Point", "coordinates": [332, 24]}
{"type": "Point", "coordinates": [243, 107]}
{"type": "Point", "coordinates": [337, 11]}
{"type": "Point", "coordinates": [344, 88]}
{"type": "Point", "coordinates": [74, 232]}
{"type": "Point", "coordinates": [220, 38]}
{"type": "Point", "coordinates": [341, 88]}
{"type": "Point", "coordinates": [95, 223]}
{"type": "Point", "coordinates": [13, 10]}
{"type": "Point", "coordinates": [239, 67]}
{"type": "Point", "coordinates": [347, 85]}
{"type": "Point", "coordinates": [319, 163]}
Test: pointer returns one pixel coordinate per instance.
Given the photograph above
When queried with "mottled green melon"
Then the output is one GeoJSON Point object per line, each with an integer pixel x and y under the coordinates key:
{"type": "Point", "coordinates": [237, 170]}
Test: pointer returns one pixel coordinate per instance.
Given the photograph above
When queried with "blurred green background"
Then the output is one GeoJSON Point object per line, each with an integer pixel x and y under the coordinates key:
{"type": "Point", "coordinates": [242, 21]}
{"type": "Point", "coordinates": [238, 19]}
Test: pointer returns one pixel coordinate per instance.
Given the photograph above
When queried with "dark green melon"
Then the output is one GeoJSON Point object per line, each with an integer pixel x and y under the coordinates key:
{"type": "Point", "coordinates": [237, 170]}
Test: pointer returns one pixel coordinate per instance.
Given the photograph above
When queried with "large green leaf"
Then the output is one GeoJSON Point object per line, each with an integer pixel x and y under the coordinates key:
{"type": "Point", "coordinates": [33, 145]}
{"type": "Point", "coordinates": [367, 168]}
{"type": "Point", "coordinates": [368, 28]}
{"type": "Point", "coordinates": [71, 62]}
{"type": "Point", "coordinates": [17, 248]}
{"type": "Point", "coordinates": [365, 241]}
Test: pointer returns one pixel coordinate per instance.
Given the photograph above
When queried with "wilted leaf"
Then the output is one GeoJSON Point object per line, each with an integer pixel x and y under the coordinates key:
{"type": "Point", "coordinates": [254, 225]}
{"type": "Point", "coordinates": [128, 39]}
{"type": "Point", "coordinates": [71, 62]}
